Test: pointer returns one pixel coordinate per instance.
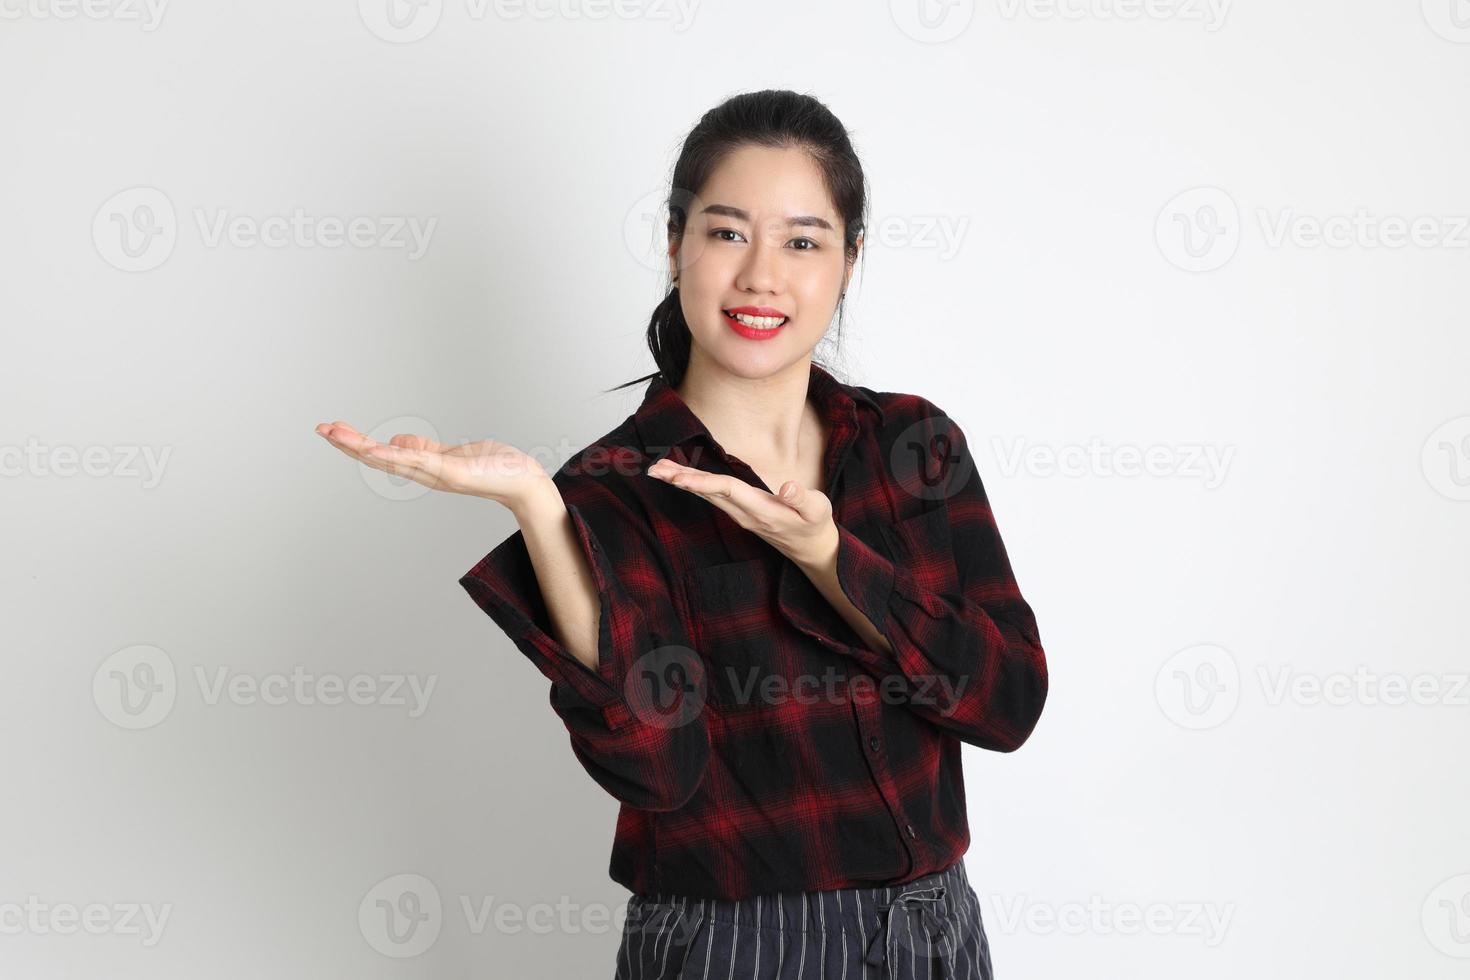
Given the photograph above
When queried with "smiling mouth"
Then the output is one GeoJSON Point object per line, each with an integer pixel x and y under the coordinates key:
{"type": "Point", "coordinates": [756, 322]}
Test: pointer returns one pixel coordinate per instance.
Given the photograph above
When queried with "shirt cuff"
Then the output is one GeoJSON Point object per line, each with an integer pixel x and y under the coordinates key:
{"type": "Point", "coordinates": [871, 582]}
{"type": "Point", "coordinates": [504, 585]}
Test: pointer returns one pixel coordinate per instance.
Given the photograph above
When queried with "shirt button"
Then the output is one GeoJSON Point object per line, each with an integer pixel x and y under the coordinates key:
{"type": "Point", "coordinates": [873, 742]}
{"type": "Point", "coordinates": [910, 828]}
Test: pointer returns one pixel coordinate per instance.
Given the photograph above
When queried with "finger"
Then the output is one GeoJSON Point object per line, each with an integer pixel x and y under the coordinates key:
{"type": "Point", "coordinates": [406, 461]}
{"type": "Point", "coordinates": [391, 459]}
{"type": "Point", "coordinates": [812, 505]}
{"type": "Point", "coordinates": [350, 438]}
{"type": "Point", "coordinates": [342, 442]}
{"type": "Point", "coordinates": [355, 445]}
{"type": "Point", "coordinates": [340, 433]}
{"type": "Point", "coordinates": [410, 441]}
{"type": "Point", "coordinates": [734, 496]}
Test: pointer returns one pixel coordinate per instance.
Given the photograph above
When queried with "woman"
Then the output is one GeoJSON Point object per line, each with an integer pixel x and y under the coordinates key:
{"type": "Point", "coordinates": [775, 685]}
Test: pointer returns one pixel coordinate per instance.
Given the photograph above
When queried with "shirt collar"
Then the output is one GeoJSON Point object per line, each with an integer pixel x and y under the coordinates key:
{"type": "Point", "coordinates": [664, 420]}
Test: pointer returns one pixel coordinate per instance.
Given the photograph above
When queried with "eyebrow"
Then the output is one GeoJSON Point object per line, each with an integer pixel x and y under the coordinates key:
{"type": "Point", "coordinates": [730, 211]}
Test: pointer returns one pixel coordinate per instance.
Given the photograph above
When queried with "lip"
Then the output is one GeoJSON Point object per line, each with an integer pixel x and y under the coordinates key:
{"type": "Point", "coordinates": [753, 333]}
{"type": "Point", "coordinates": [756, 310]}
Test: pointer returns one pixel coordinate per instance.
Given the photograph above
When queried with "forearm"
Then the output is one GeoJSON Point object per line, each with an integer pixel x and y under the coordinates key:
{"type": "Point", "coordinates": [580, 590]}
{"type": "Point", "coordinates": [562, 573]}
{"type": "Point", "coordinates": [973, 659]}
{"type": "Point", "coordinates": [821, 569]}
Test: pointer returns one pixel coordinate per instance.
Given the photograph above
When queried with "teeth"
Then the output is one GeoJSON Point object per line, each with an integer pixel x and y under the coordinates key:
{"type": "Point", "coordinates": [759, 322]}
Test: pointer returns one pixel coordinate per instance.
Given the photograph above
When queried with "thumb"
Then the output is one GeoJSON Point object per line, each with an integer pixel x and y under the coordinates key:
{"type": "Point", "coordinates": [810, 504]}
{"type": "Point", "coordinates": [407, 440]}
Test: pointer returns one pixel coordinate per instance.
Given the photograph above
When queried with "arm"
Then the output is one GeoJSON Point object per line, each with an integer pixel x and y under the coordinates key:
{"type": "Point", "coordinates": [972, 661]}
{"type": "Point", "coordinates": [586, 608]}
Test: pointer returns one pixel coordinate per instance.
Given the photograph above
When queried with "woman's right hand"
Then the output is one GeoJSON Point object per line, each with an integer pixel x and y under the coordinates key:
{"type": "Point", "coordinates": [495, 470]}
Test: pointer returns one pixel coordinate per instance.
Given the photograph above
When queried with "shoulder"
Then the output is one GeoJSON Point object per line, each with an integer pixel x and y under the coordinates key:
{"type": "Point", "coordinates": [604, 473]}
{"type": "Point", "coordinates": [902, 409]}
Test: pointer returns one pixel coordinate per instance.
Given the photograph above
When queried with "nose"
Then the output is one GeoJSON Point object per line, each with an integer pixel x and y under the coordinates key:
{"type": "Point", "coordinates": [761, 270]}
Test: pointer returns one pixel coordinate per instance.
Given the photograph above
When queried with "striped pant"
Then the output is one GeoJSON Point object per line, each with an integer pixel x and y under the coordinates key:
{"type": "Point", "coordinates": [927, 929]}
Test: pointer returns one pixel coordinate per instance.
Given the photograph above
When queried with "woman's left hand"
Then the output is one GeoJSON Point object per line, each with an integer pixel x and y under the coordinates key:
{"type": "Point", "coordinates": [799, 524]}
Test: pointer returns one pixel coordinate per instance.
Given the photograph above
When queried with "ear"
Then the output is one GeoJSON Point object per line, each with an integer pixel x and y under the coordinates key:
{"type": "Point", "coordinates": [857, 251]}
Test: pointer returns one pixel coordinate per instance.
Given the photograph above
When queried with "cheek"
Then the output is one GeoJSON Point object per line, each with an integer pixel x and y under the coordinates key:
{"type": "Point", "coordinates": [816, 295]}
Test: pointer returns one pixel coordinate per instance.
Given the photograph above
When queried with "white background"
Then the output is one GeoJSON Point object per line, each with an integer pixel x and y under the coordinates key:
{"type": "Point", "coordinates": [1107, 229]}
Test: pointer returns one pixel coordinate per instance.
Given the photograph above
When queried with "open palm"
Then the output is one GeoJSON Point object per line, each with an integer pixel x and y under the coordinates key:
{"type": "Point", "coordinates": [487, 468]}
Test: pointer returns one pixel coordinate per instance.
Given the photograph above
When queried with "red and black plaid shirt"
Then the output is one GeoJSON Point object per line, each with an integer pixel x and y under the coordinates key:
{"type": "Point", "coordinates": [784, 755]}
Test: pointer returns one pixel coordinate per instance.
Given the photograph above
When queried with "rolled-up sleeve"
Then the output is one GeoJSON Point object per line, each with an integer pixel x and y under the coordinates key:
{"type": "Point", "coordinates": [648, 751]}
{"type": "Point", "coordinates": [972, 660]}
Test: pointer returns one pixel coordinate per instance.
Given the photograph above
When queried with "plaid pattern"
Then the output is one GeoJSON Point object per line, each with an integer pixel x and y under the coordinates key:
{"type": "Point", "coordinates": [928, 929]}
{"type": "Point", "coordinates": [756, 744]}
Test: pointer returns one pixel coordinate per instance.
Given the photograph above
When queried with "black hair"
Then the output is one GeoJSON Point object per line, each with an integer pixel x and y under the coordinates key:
{"type": "Point", "coordinates": [776, 118]}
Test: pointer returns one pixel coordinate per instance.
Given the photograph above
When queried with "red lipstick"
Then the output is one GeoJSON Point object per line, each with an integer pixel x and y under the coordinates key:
{"type": "Point", "coordinates": [754, 332]}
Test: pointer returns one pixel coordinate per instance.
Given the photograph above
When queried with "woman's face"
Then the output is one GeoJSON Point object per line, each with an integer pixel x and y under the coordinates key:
{"type": "Point", "coordinates": [761, 236]}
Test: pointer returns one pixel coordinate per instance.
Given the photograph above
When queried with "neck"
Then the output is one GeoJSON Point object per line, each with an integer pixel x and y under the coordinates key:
{"type": "Point", "coordinates": [765, 418]}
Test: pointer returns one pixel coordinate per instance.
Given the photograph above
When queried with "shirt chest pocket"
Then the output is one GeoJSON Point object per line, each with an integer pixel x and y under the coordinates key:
{"type": "Point", "coordinates": [733, 606]}
{"type": "Point", "coordinates": [923, 546]}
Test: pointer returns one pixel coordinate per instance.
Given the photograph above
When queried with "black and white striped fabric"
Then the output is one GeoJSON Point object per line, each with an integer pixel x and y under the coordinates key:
{"type": "Point", "coordinates": [926, 929]}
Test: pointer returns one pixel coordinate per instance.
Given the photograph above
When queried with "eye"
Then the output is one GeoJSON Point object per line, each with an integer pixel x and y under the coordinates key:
{"type": "Point", "coordinates": [812, 244]}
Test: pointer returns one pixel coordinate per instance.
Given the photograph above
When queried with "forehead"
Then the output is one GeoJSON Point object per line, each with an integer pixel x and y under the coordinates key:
{"type": "Point", "coordinates": [769, 183]}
